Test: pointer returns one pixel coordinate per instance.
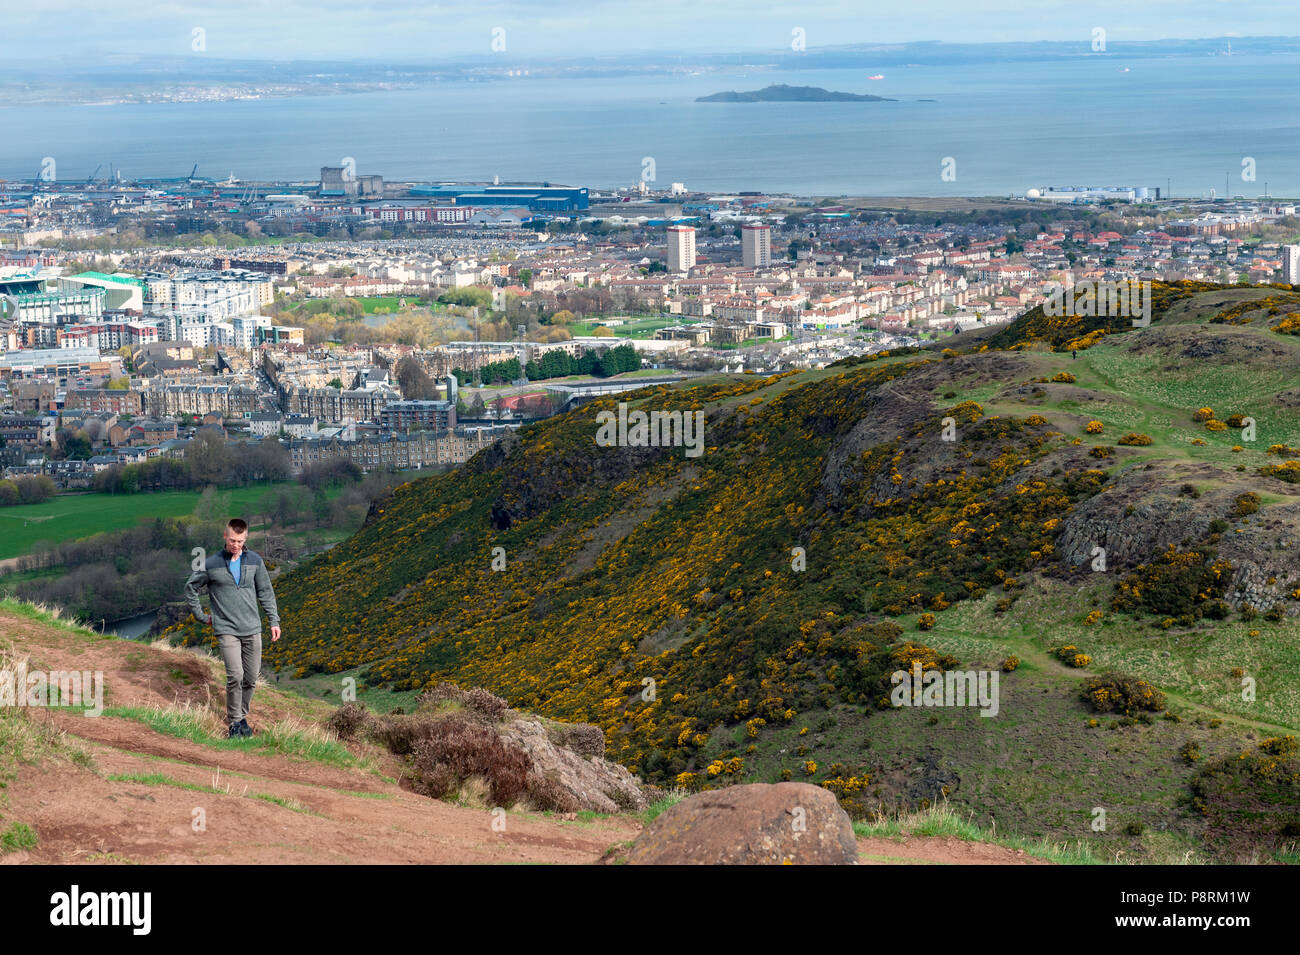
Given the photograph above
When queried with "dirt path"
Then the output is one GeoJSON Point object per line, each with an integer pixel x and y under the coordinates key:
{"type": "Point", "coordinates": [939, 850]}
{"type": "Point", "coordinates": [324, 813]}
{"type": "Point", "coordinates": [133, 806]}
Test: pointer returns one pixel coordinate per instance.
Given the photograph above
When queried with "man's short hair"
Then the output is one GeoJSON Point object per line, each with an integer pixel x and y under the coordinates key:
{"type": "Point", "coordinates": [238, 525]}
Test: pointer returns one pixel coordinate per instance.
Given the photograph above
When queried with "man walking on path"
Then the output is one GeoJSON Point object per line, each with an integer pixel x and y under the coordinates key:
{"type": "Point", "coordinates": [237, 581]}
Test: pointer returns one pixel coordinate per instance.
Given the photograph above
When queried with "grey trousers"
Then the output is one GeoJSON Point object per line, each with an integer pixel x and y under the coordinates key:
{"type": "Point", "coordinates": [243, 656]}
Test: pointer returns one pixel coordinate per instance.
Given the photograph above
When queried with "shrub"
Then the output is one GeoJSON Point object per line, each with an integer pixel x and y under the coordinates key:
{"type": "Point", "coordinates": [1094, 427]}
{"type": "Point", "coordinates": [1036, 419]}
{"type": "Point", "coordinates": [1203, 414]}
{"type": "Point", "coordinates": [1099, 451]}
{"type": "Point", "coordinates": [1190, 752]}
{"type": "Point", "coordinates": [347, 719]}
{"type": "Point", "coordinates": [1063, 376]}
{"type": "Point", "coordinates": [1178, 583]}
{"type": "Point", "coordinates": [1237, 421]}
{"type": "Point", "coordinates": [1114, 693]}
{"type": "Point", "coordinates": [925, 621]}
{"type": "Point", "coordinates": [1010, 663]}
{"type": "Point", "coordinates": [1135, 439]}
{"type": "Point", "coordinates": [1071, 656]}
{"type": "Point", "coordinates": [1288, 471]}
{"type": "Point", "coordinates": [1244, 504]}
{"type": "Point", "coordinates": [455, 749]}
{"type": "Point", "coordinates": [1213, 425]}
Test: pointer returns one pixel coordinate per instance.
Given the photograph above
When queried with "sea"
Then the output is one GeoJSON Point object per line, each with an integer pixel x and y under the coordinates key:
{"type": "Point", "coordinates": [1192, 126]}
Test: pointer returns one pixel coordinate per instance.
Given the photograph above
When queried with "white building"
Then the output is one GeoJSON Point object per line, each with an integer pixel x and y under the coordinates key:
{"type": "Point", "coordinates": [245, 330]}
{"type": "Point", "coordinates": [1291, 264]}
{"type": "Point", "coordinates": [681, 248]}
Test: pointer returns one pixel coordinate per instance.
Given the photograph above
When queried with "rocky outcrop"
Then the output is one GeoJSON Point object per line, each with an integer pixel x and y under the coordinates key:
{"type": "Point", "coordinates": [454, 734]}
{"type": "Point", "coordinates": [593, 782]}
{"type": "Point", "coordinates": [1146, 511]}
{"type": "Point", "coordinates": [169, 614]}
{"type": "Point", "coordinates": [756, 824]}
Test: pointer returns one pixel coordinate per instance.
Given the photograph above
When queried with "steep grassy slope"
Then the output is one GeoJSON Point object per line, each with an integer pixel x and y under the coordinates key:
{"type": "Point", "coordinates": [736, 615]}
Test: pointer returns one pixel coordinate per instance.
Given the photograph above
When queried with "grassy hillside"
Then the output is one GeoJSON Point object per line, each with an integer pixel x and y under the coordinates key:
{"type": "Point", "coordinates": [737, 615]}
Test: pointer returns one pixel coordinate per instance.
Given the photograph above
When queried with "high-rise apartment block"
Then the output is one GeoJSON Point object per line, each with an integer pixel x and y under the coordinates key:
{"type": "Point", "coordinates": [756, 246]}
{"type": "Point", "coordinates": [681, 248]}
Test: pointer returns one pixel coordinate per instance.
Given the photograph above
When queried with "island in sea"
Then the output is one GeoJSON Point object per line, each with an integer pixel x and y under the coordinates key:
{"type": "Point", "coordinates": [792, 94]}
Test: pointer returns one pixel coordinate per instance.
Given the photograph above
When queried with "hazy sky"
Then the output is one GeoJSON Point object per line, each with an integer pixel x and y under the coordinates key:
{"type": "Point", "coordinates": [423, 31]}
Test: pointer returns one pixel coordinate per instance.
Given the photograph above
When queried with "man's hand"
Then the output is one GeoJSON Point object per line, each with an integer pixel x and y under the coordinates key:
{"type": "Point", "coordinates": [275, 634]}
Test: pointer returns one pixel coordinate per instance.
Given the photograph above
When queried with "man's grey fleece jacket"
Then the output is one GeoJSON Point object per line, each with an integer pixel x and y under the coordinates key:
{"type": "Point", "coordinates": [234, 606]}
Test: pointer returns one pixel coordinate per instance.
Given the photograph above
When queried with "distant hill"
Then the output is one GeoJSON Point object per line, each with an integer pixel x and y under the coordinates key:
{"type": "Point", "coordinates": [736, 616]}
{"type": "Point", "coordinates": [792, 94]}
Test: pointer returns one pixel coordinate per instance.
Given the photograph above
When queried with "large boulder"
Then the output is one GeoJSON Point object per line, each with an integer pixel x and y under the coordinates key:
{"type": "Point", "coordinates": [757, 824]}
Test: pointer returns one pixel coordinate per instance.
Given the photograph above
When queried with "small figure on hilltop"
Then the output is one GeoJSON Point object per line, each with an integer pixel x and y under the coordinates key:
{"type": "Point", "coordinates": [237, 581]}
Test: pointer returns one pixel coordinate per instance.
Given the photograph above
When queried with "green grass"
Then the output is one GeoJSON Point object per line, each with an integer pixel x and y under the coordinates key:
{"type": "Point", "coordinates": [67, 517]}
{"type": "Point", "coordinates": [158, 779]}
{"type": "Point", "coordinates": [1188, 664]}
{"type": "Point", "coordinates": [53, 618]}
{"type": "Point", "coordinates": [636, 328]}
{"type": "Point", "coordinates": [329, 686]}
{"type": "Point", "coordinates": [190, 724]}
{"type": "Point", "coordinates": [19, 835]}
{"type": "Point", "coordinates": [941, 820]}
{"type": "Point", "coordinates": [654, 810]}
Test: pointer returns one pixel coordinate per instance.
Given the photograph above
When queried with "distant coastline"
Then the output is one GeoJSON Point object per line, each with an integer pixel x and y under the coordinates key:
{"type": "Point", "coordinates": [781, 93]}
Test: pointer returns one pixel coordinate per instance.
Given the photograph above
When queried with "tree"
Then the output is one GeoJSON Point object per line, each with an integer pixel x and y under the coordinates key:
{"type": "Point", "coordinates": [77, 446]}
{"type": "Point", "coordinates": [526, 277]}
{"type": "Point", "coordinates": [414, 382]}
{"type": "Point", "coordinates": [470, 296]}
{"type": "Point", "coordinates": [208, 459]}
{"type": "Point", "coordinates": [34, 488]}
{"type": "Point", "coordinates": [336, 383]}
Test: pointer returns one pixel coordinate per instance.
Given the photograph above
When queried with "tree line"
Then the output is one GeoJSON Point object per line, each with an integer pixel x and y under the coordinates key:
{"type": "Point", "coordinates": [557, 364]}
